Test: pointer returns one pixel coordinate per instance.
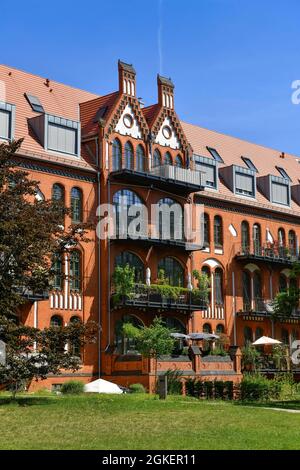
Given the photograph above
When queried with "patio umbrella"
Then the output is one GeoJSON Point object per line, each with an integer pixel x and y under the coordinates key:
{"type": "Point", "coordinates": [265, 340]}
{"type": "Point", "coordinates": [203, 336]}
{"type": "Point", "coordinates": [179, 336]}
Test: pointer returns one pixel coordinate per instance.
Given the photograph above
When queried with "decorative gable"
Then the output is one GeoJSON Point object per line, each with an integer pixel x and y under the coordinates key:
{"type": "Point", "coordinates": [128, 124]}
{"type": "Point", "coordinates": [167, 135]}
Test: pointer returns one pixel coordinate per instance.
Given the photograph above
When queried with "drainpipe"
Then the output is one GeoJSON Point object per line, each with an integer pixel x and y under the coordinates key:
{"type": "Point", "coordinates": [108, 284]}
{"type": "Point", "coordinates": [35, 319]}
{"type": "Point", "coordinates": [234, 310]}
{"type": "Point", "coordinates": [99, 282]}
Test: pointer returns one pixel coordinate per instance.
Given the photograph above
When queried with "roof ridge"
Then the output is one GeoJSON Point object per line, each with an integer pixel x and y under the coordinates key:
{"type": "Point", "coordinates": [100, 97]}
{"type": "Point", "coordinates": [51, 80]}
{"type": "Point", "coordinates": [240, 139]}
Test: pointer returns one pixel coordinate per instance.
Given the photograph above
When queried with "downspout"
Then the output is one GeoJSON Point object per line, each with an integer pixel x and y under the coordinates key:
{"type": "Point", "coordinates": [234, 311]}
{"type": "Point", "coordinates": [108, 283]}
{"type": "Point", "coordinates": [99, 260]}
{"type": "Point", "coordinates": [35, 320]}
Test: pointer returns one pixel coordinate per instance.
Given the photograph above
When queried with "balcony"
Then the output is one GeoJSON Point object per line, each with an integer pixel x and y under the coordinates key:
{"type": "Point", "coordinates": [274, 254]}
{"type": "Point", "coordinates": [167, 177]}
{"type": "Point", "coordinates": [262, 308]}
{"type": "Point", "coordinates": [153, 298]}
{"type": "Point", "coordinates": [172, 242]}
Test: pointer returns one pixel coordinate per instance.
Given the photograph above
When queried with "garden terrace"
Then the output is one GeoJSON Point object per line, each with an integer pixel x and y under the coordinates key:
{"type": "Point", "coordinates": [163, 297]}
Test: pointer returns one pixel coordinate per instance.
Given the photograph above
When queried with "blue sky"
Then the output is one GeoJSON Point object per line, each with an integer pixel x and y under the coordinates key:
{"type": "Point", "coordinates": [232, 61]}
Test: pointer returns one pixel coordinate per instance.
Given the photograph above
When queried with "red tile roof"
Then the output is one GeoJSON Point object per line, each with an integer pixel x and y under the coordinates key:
{"type": "Point", "coordinates": [150, 113]}
{"type": "Point", "coordinates": [231, 150]}
{"type": "Point", "coordinates": [89, 110]}
{"type": "Point", "coordinates": [56, 98]}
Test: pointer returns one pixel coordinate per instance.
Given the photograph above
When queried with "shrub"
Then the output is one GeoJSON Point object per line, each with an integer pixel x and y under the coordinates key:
{"type": "Point", "coordinates": [259, 388]}
{"type": "Point", "coordinates": [174, 382]}
{"type": "Point", "coordinates": [72, 387]}
{"type": "Point", "coordinates": [137, 388]}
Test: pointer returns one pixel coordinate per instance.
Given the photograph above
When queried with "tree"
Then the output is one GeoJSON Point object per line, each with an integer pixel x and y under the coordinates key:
{"type": "Point", "coordinates": [153, 341]}
{"type": "Point", "coordinates": [33, 354]}
{"type": "Point", "coordinates": [31, 232]}
{"type": "Point", "coordinates": [123, 278]}
{"type": "Point", "coordinates": [287, 302]}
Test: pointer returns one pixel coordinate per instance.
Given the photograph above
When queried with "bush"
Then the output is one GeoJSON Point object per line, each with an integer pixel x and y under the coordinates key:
{"type": "Point", "coordinates": [174, 382]}
{"type": "Point", "coordinates": [73, 387]}
{"type": "Point", "coordinates": [137, 388]}
{"type": "Point", "coordinates": [259, 388]}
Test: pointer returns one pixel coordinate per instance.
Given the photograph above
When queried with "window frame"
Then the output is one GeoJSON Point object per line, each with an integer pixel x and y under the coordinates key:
{"type": "Point", "coordinates": [9, 109]}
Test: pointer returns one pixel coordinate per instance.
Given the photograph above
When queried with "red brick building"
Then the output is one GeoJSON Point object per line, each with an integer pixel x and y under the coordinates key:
{"type": "Point", "coordinates": [92, 150]}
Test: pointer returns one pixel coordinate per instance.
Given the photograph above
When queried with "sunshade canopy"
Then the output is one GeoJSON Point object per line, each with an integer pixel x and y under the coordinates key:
{"type": "Point", "coordinates": [265, 340]}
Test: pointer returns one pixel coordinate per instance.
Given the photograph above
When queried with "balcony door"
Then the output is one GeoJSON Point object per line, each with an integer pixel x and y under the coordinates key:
{"type": "Point", "coordinates": [257, 239]}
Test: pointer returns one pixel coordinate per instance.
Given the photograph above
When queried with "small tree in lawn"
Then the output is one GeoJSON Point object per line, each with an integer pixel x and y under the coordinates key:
{"type": "Point", "coordinates": [153, 341]}
{"type": "Point", "coordinates": [33, 354]}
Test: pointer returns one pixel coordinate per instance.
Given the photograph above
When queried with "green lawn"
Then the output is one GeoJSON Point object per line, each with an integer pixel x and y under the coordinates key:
{"type": "Point", "coordinates": [142, 422]}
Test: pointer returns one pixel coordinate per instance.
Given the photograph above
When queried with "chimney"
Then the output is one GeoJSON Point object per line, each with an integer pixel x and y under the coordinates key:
{"type": "Point", "coordinates": [165, 92]}
{"type": "Point", "coordinates": [126, 78]}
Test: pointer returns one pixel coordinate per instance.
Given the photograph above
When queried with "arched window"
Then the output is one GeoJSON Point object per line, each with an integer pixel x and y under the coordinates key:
{"type": "Point", "coordinates": [140, 158]}
{"type": "Point", "coordinates": [257, 291]}
{"type": "Point", "coordinates": [75, 346]}
{"type": "Point", "coordinates": [206, 271]}
{"type": "Point", "coordinates": [125, 198]}
{"type": "Point", "coordinates": [117, 155]}
{"type": "Point", "coordinates": [57, 271]}
{"type": "Point", "coordinates": [156, 158]}
{"type": "Point", "coordinates": [129, 156]}
{"type": "Point", "coordinates": [206, 230]}
{"type": "Point", "coordinates": [76, 205]}
{"type": "Point", "coordinates": [257, 239]}
{"type": "Point", "coordinates": [170, 219]}
{"type": "Point", "coordinates": [172, 271]}
{"type": "Point", "coordinates": [245, 236]}
{"type": "Point", "coordinates": [178, 161]}
{"type": "Point", "coordinates": [125, 345]}
{"type": "Point", "coordinates": [219, 287]}
{"type": "Point", "coordinates": [75, 270]}
{"type": "Point", "coordinates": [281, 237]}
{"type": "Point", "coordinates": [56, 321]}
{"type": "Point", "coordinates": [220, 329]}
{"type": "Point", "coordinates": [207, 328]}
{"type": "Point", "coordinates": [282, 283]}
{"type": "Point", "coordinates": [132, 260]}
{"type": "Point", "coordinates": [246, 291]}
{"type": "Point", "coordinates": [259, 332]}
{"type": "Point", "coordinates": [285, 336]}
{"type": "Point", "coordinates": [58, 193]}
{"type": "Point", "coordinates": [292, 243]}
{"type": "Point", "coordinates": [168, 159]}
{"type": "Point", "coordinates": [218, 231]}
{"type": "Point", "coordinates": [248, 335]}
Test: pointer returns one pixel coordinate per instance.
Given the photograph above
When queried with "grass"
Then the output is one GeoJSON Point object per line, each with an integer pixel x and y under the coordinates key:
{"type": "Point", "coordinates": [141, 421]}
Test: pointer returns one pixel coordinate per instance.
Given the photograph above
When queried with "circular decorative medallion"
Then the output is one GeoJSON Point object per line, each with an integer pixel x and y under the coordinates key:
{"type": "Point", "coordinates": [128, 121]}
{"type": "Point", "coordinates": [167, 132]}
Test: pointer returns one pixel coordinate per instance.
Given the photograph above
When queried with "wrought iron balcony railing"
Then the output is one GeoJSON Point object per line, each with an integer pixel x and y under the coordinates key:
{"type": "Point", "coordinates": [157, 297]}
{"type": "Point", "coordinates": [269, 253]}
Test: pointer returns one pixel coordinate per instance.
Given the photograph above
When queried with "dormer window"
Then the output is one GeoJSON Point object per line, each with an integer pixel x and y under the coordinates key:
{"type": "Point", "coordinates": [57, 133]}
{"type": "Point", "coordinates": [244, 181]}
{"type": "Point", "coordinates": [7, 120]}
{"type": "Point", "coordinates": [276, 188]}
{"type": "Point", "coordinates": [209, 167]}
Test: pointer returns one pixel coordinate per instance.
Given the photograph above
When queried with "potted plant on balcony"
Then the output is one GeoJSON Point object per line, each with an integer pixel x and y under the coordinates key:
{"type": "Point", "coordinates": [124, 282]}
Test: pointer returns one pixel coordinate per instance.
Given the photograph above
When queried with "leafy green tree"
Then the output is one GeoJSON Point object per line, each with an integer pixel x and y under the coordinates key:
{"type": "Point", "coordinates": [287, 302]}
{"type": "Point", "coordinates": [151, 341]}
{"type": "Point", "coordinates": [124, 281]}
{"type": "Point", "coordinates": [33, 354]}
{"type": "Point", "coordinates": [31, 232]}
